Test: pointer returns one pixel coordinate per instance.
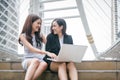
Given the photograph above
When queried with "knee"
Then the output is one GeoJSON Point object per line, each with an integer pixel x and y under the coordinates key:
{"type": "Point", "coordinates": [70, 65]}
{"type": "Point", "coordinates": [35, 61]}
{"type": "Point", "coordinates": [63, 65]}
{"type": "Point", "coordinates": [44, 64]}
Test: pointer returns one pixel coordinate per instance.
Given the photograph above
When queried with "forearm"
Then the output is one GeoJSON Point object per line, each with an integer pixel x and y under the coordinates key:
{"type": "Point", "coordinates": [35, 50]}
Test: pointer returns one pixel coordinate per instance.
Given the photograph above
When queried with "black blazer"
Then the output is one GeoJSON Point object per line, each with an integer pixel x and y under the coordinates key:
{"type": "Point", "coordinates": [53, 44]}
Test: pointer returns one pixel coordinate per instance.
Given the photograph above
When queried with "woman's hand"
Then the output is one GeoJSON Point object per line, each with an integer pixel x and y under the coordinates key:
{"type": "Point", "coordinates": [52, 55]}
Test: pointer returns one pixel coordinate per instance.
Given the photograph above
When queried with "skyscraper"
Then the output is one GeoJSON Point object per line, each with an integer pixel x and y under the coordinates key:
{"type": "Point", "coordinates": [9, 26]}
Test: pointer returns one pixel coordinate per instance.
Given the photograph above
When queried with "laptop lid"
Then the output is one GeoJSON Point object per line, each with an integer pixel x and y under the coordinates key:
{"type": "Point", "coordinates": [71, 53]}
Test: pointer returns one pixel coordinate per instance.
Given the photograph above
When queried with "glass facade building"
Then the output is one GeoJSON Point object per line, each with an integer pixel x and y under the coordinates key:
{"type": "Point", "coordinates": [118, 33]}
{"type": "Point", "coordinates": [9, 26]}
{"type": "Point", "coordinates": [115, 20]}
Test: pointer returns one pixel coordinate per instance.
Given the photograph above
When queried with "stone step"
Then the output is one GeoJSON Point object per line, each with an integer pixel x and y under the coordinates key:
{"type": "Point", "coordinates": [47, 75]}
{"type": "Point", "coordinates": [85, 65]}
{"type": "Point", "coordinates": [98, 65]}
{"type": "Point", "coordinates": [12, 74]}
{"type": "Point", "coordinates": [87, 70]}
{"type": "Point", "coordinates": [98, 76]}
{"type": "Point", "coordinates": [10, 65]}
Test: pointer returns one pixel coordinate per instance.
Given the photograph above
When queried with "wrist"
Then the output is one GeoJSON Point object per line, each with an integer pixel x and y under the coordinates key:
{"type": "Point", "coordinates": [46, 53]}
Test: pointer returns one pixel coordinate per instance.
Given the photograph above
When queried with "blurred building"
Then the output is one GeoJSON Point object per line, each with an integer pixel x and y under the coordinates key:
{"type": "Point", "coordinates": [9, 26]}
{"type": "Point", "coordinates": [37, 7]}
{"type": "Point", "coordinates": [115, 20]}
{"type": "Point", "coordinates": [118, 32]}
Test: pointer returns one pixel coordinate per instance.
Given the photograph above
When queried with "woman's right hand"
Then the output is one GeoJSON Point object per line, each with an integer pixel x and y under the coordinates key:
{"type": "Point", "coordinates": [52, 55]}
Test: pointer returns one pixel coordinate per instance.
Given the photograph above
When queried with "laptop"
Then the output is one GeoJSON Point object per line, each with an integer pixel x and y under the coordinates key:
{"type": "Point", "coordinates": [70, 53]}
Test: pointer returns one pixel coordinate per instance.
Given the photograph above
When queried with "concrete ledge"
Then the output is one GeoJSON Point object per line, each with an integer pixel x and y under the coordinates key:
{"type": "Point", "coordinates": [99, 71]}
{"type": "Point", "coordinates": [79, 71]}
{"type": "Point", "coordinates": [47, 75]}
{"type": "Point", "coordinates": [12, 71]}
{"type": "Point", "coordinates": [97, 76]}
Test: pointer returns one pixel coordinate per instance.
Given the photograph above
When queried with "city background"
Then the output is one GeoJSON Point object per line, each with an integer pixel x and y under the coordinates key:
{"type": "Point", "coordinates": [103, 18]}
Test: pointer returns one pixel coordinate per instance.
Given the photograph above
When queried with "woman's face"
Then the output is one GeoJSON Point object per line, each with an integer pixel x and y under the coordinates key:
{"type": "Point", "coordinates": [56, 28]}
{"type": "Point", "coordinates": [36, 25]}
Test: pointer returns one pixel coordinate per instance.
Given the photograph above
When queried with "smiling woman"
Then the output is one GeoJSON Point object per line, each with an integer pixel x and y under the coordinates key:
{"type": "Point", "coordinates": [32, 40]}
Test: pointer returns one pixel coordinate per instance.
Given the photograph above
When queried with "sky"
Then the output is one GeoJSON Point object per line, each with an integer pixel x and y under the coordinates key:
{"type": "Point", "coordinates": [99, 22]}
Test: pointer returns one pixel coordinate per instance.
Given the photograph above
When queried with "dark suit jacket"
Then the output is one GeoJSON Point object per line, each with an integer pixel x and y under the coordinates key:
{"type": "Point", "coordinates": [53, 44]}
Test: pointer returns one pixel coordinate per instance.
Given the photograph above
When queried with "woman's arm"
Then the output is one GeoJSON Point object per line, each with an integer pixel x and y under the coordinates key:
{"type": "Point", "coordinates": [29, 46]}
{"type": "Point", "coordinates": [33, 49]}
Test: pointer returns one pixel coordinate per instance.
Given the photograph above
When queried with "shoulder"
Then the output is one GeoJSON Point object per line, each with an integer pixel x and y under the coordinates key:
{"type": "Point", "coordinates": [67, 36]}
{"type": "Point", "coordinates": [51, 36]}
{"type": "Point", "coordinates": [22, 35]}
{"type": "Point", "coordinates": [68, 39]}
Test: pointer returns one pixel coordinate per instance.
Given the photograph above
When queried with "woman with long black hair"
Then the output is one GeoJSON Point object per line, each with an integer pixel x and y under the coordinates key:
{"type": "Point", "coordinates": [31, 38]}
